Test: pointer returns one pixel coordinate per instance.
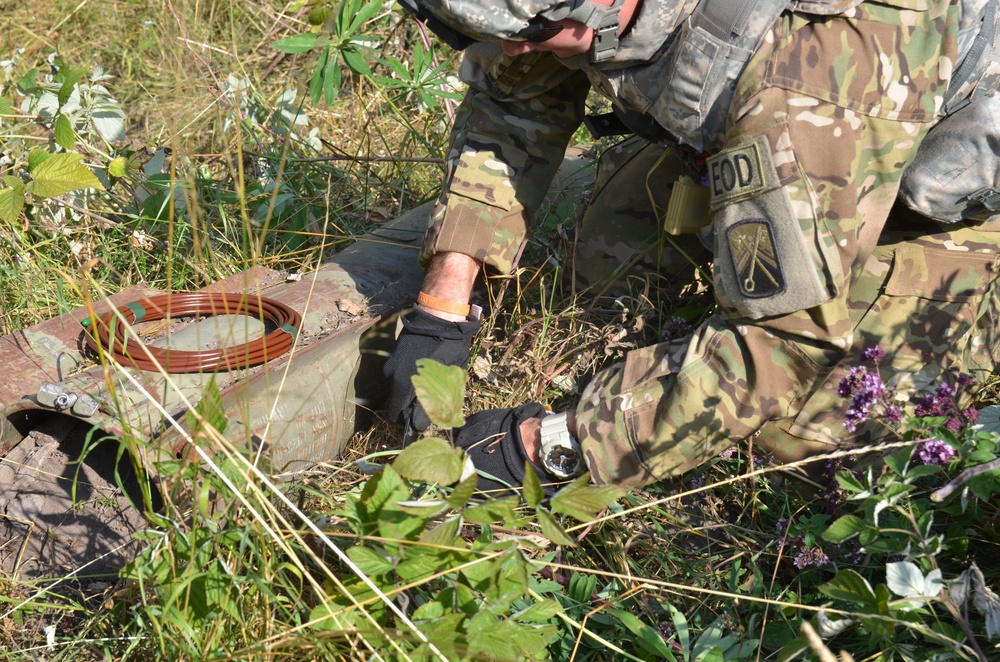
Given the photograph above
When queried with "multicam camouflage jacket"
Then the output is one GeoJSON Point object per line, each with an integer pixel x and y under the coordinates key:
{"type": "Point", "coordinates": [826, 115]}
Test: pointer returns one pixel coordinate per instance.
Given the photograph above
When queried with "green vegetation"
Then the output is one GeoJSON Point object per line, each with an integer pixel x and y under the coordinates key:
{"type": "Point", "coordinates": [177, 143]}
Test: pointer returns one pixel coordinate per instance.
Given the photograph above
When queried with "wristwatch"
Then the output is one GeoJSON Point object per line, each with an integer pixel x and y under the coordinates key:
{"type": "Point", "coordinates": [560, 452]}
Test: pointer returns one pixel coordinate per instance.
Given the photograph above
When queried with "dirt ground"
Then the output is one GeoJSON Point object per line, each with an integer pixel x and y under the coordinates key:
{"type": "Point", "coordinates": [48, 531]}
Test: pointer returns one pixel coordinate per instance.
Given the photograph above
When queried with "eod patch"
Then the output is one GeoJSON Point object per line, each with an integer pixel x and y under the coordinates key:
{"type": "Point", "coordinates": [763, 266]}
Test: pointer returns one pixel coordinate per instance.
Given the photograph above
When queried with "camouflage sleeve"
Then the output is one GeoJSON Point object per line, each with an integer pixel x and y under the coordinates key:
{"type": "Point", "coordinates": [818, 140]}
{"type": "Point", "coordinates": [509, 137]}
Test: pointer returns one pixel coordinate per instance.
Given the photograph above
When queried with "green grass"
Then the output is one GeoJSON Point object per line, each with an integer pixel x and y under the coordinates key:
{"type": "Point", "coordinates": [331, 566]}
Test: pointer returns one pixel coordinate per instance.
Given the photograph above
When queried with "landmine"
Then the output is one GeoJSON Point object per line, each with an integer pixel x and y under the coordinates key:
{"type": "Point", "coordinates": [60, 516]}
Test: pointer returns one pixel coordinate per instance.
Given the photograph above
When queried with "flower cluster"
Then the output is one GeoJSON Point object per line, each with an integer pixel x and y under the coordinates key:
{"type": "Point", "coordinates": [944, 403]}
{"type": "Point", "coordinates": [806, 556]}
{"type": "Point", "coordinates": [810, 556]}
{"type": "Point", "coordinates": [935, 451]}
{"type": "Point", "coordinates": [866, 389]}
{"type": "Point", "coordinates": [676, 328]}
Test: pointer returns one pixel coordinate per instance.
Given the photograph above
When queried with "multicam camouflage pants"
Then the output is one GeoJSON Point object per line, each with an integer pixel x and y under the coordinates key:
{"type": "Point", "coordinates": [928, 296]}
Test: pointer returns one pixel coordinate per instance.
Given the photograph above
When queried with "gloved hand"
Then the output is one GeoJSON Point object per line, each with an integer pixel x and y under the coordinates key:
{"type": "Point", "coordinates": [492, 438]}
{"type": "Point", "coordinates": [424, 336]}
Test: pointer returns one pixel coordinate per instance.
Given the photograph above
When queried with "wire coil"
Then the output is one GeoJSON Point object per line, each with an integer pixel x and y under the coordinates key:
{"type": "Point", "coordinates": [108, 334]}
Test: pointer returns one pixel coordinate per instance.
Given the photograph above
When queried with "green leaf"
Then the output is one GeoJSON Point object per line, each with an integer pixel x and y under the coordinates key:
{"type": "Point", "coordinates": [462, 492]}
{"type": "Point", "coordinates": [847, 481]}
{"type": "Point", "coordinates": [441, 391]}
{"type": "Point", "coordinates": [210, 407]}
{"type": "Point", "coordinates": [539, 612]}
{"type": "Point", "coordinates": [36, 158]}
{"type": "Point", "coordinates": [582, 500]}
{"type": "Point", "coordinates": [496, 510]}
{"type": "Point", "coordinates": [11, 201]}
{"type": "Point", "coordinates": [299, 43]}
{"type": "Point", "coordinates": [64, 133]}
{"type": "Point", "coordinates": [369, 561]}
{"type": "Point", "coordinates": [118, 167]}
{"type": "Point", "coordinates": [552, 530]}
{"type": "Point", "coordinates": [357, 62]}
{"type": "Point", "coordinates": [443, 534]}
{"type": "Point", "coordinates": [62, 173]}
{"type": "Point", "coordinates": [844, 528]}
{"type": "Point", "coordinates": [533, 493]}
{"type": "Point", "coordinates": [5, 107]}
{"type": "Point", "coordinates": [849, 585]}
{"type": "Point", "coordinates": [430, 460]}
{"type": "Point", "coordinates": [648, 638]}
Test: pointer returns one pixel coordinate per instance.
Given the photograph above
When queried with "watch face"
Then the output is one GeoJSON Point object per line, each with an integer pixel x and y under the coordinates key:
{"type": "Point", "coordinates": [563, 461]}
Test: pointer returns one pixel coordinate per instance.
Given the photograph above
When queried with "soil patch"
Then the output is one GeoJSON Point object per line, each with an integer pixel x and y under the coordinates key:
{"type": "Point", "coordinates": [59, 516]}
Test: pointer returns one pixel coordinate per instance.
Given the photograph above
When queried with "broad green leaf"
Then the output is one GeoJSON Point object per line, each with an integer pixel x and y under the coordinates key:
{"type": "Point", "coordinates": [441, 391]}
{"type": "Point", "coordinates": [713, 654]}
{"type": "Point", "coordinates": [462, 492]}
{"type": "Point", "coordinates": [443, 534]}
{"type": "Point", "coordinates": [64, 133]}
{"type": "Point", "coordinates": [299, 43]}
{"type": "Point", "coordinates": [989, 419]}
{"type": "Point", "coordinates": [428, 611]}
{"type": "Point", "coordinates": [849, 585]}
{"type": "Point", "coordinates": [582, 500]}
{"type": "Point", "coordinates": [11, 201]}
{"type": "Point", "coordinates": [369, 561]}
{"type": "Point", "coordinates": [793, 649]}
{"type": "Point", "coordinates": [36, 158]}
{"type": "Point", "coordinates": [69, 78]}
{"type": "Point", "coordinates": [539, 612]}
{"type": "Point", "coordinates": [647, 637]}
{"type": "Point", "coordinates": [552, 530]}
{"type": "Point", "coordinates": [496, 510]}
{"type": "Point", "coordinates": [5, 107]}
{"type": "Point", "coordinates": [844, 528]}
{"type": "Point", "coordinates": [62, 173]}
{"type": "Point", "coordinates": [118, 167]}
{"type": "Point", "coordinates": [383, 487]}
{"type": "Point", "coordinates": [847, 481]}
{"type": "Point", "coordinates": [395, 523]}
{"type": "Point", "coordinates": [430, 460]}
{"type": "Point", "coordinates": [533, 493]}
{"type": "Point", "coordinates": [495, 639]}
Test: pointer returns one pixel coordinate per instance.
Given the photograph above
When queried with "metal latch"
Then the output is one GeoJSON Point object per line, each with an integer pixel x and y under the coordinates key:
{"type": "Point", "coordinates": [56, 397]}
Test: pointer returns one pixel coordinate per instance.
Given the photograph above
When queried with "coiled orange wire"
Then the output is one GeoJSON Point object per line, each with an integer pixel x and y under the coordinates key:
{"type": "Point", "coordinates": [108, 334]}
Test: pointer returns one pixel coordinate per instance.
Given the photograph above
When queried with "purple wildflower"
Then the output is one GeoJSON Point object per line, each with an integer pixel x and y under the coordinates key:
{"type": "Point", "coordinates": [866, 389]}
{"type": "Point", "coordinates": [676, 327]}
{"type": "Point", "coordinates": [894, 413]}
{"type": "Point", "coordinates": [782, 526]}
{"type": "Point", "coordinates": [873, 354]}
{"type": "Point", "coordinates": [728, 453]}
{"type": "Point", "coordinates": [935, 451]}
{"type": "Point", "coordinates": [971, 415]}
{"type": "Point", "coordinates": [697, 482]}
{"type": "Point", "coordinates": [811, 556]}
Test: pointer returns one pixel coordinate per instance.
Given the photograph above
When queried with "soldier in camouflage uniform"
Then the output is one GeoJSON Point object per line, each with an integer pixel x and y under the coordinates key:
{"type": "Point", "coordinates": [797, 167]}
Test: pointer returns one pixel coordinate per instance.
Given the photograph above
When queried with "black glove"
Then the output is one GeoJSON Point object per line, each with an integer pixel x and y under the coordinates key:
{"type": "Point", "coordinates": [424, 336]}
{"type": "Point", "coordinates": [492, 438]}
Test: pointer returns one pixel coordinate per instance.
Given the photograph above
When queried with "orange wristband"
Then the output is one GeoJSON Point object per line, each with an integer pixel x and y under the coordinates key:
{"type": "Point", "coordinates": [443, 305]}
